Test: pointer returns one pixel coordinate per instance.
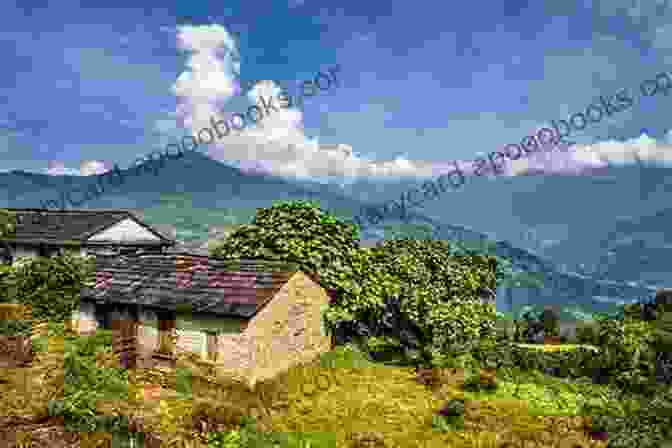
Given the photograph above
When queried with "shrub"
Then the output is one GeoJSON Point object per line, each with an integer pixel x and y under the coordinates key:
{"type": "Point", "coordinates": [587, 333]}
{"type": "Point", "coordinates": [450, 417]}
{"type": "Point", "coordinates": [50, 285]}
{"type": "Point", "coordinates": [454, 408]}
{"type": "Point", "coordinates": [531, 327]}
{"type": "Point", "coordinates": [551, 322]}
{"type": "Point", "coordinates": [483, 380]}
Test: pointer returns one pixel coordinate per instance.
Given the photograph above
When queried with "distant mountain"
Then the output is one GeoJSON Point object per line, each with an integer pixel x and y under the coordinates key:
{"type": "Point", "coordinates": [567, 288]}
{"type": "Point", "coordinates": [612, 224]}
{"type": "Point", "coordinates": [199, 197]}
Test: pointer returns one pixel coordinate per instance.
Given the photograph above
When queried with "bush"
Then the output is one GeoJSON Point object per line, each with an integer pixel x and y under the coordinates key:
{"type": "Point", "coordinates": [587, 333]}
{"type": "Point", "coordinates": [450, 416]}
{"type": "Point", "coordinates": [551, 322]}
{"type": "Point", "coordinates": [15, 327]}
{"type": "Point", "coordinates": [85, 383]}
{"type": "Point", "coordinates": [50, 285]}
{"type": "Point", "coordinates": [530, 327]}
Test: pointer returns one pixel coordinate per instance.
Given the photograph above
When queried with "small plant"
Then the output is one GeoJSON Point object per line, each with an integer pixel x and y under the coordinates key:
{"type": "Point", "coordinates": [367, 440]}
{"type": "Point", "coordinates": [488, 379]}
{"type": "Point", "coordinates": [224, 440]}
{"type": "Point", "coordinates": [429, 377]}
{"type": "Point", "coordinates": [454, 408]}
{"type": "Point", "coordinates": [484, 380]}
{"type": "Point", "coordinates": [450, 417]}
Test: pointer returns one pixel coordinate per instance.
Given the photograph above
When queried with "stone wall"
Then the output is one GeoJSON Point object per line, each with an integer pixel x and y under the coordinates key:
{"type": "Point", "coordinates": [289, 330]}
{"type": "Point", "coordinates": [235, 355]}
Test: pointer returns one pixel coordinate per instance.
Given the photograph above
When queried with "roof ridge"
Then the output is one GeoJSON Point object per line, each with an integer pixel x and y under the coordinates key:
{"type": "Point", "coordinates": [71, 210]}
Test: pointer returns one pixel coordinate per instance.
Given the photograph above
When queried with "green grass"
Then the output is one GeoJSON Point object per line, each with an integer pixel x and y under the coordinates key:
{"type": "Point", "coordinates": [367, 396]}
{"type": "Point", "coordinates": [557, 347]}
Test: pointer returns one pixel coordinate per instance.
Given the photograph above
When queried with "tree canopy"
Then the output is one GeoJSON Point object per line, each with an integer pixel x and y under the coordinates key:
{"type": "Point", "coordinates": [7, 224]}
{"type": "Point", "coordinates": [438, 287]}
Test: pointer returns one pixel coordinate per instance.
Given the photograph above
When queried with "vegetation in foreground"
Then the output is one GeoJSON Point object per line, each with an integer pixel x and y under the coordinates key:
{"type": "Point", "coordinates": [441, 371]}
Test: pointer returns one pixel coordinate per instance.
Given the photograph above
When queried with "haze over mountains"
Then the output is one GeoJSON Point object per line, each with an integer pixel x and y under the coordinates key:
{"type": "Point", "coordinates": [598, 239]}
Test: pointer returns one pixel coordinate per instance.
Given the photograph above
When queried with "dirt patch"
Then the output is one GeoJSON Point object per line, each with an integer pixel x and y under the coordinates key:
{"type": "Point", "coordinates": [48, 433]}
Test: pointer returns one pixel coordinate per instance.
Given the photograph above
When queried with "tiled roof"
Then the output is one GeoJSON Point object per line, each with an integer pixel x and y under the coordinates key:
{"type": "Point", "coordinates": [66, 226]}
{"type": "Point", "coordinates": [237, 288]}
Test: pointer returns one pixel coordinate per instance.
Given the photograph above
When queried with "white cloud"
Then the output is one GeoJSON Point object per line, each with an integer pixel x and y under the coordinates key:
{"type": "Point", "coordinates": [86, 168]}
{"type": "Point", "coordinates": [277, 143]}
{"type": "Point", "coordinates": [93, 167]}
{"type": "Point", "coordinates": [581, 157]}
{"type": "Point", "coordinates": [57, 168]}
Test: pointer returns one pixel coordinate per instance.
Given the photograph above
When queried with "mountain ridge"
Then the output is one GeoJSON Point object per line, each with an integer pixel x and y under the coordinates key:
{"type": "Point", "coordinates": [214, 185]}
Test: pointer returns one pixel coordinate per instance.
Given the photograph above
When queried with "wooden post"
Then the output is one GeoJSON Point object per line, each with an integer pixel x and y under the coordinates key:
{"type": "Point", "coordinates": [125, 342]}
{"type": "Point", "coordinates": [165, 356]}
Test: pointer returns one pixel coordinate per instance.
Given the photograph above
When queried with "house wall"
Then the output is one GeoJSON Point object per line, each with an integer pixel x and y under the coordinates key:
{"type": "Point", "coordinates": [289, 330]}
{"type": "Point", "coordinates": [87, 319]}
{"type": "Point", "coordinates": [232, 345]}
{"type": "Point", "coordinates": [126, 230]}
{"type": "Point", "coordinates": [190, 337]}
{"type": "Point", "coordinates": [191, 330]}
{"type": "Point", "coordinates": [148, 333]}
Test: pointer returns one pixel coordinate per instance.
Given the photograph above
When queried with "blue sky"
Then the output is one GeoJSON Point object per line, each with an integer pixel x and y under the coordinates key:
{"type": "Point", "coordinates": [422, 82]}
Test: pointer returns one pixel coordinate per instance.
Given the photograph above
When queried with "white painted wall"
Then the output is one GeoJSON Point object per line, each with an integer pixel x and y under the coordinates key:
{"type": "Point", "coordinates": [190, 339]}
{"type": "Point", "coordinates": [87, 317]}
{"type": "Point", "coordinates": [127, 230]}
{"type": "Point", "coordinates": [148, 329]}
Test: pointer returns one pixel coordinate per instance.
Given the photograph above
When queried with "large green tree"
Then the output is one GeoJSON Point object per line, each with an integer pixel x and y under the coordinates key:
{"type": "Point", "coordinates": [436, 286]}
{"type": "Point", "coordinates": [294, 231]}
{"type": "Point", "coordinates": [7, 230]}
{"type": "Point", "coordinates": [7, 224]}
{"type": "Point", "coordinates": [443, 292]}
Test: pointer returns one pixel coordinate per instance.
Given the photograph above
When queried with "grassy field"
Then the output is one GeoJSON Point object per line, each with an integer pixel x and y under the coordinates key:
{"type": "Point", "coordinates": [333, 402]}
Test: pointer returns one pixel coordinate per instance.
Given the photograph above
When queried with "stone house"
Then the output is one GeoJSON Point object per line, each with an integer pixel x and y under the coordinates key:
{"type": "Point", "coordinates": [251, 318]}
{"type": "Point", "coordinates": [43, 232]}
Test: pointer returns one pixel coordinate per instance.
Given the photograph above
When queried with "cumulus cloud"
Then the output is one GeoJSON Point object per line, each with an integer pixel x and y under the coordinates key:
{"type": "Point", "coordinates": [277, 144]}
{"type": "Point", "coordinates": [86, 168]}
{"type": "Point", "coordinates": [93, 167]}
{"type": "Point", "coordinates": [57, 168]}
{"type": "Point", "coordinates": [584, 158]}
